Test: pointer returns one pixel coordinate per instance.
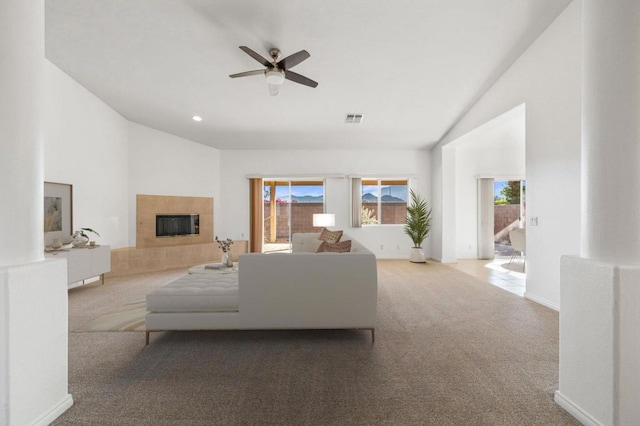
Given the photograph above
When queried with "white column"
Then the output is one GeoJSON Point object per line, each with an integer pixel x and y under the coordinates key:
{"type": "Point", "coordinates": [600, 291]}
{"type": "Point", "coordinates": [33, 297]}
{"type": "Point", "coordinates": [21, 109]}
{"type": "Point", "coordinates": [611, 131]}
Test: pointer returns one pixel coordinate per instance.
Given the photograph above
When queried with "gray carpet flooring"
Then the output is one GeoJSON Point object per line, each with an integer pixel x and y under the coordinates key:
{"type": "Point", "coordinates": [449, 350]}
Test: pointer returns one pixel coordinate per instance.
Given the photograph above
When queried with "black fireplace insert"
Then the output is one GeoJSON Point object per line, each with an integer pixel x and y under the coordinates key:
{"type": "Point", "coordinates": [173, 225]}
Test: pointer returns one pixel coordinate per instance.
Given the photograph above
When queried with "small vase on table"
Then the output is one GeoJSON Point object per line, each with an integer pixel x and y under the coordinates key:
{"type": "Point", "coordinates": [225, 246]}
{"type": "Point", "coordinates": [226, 259]}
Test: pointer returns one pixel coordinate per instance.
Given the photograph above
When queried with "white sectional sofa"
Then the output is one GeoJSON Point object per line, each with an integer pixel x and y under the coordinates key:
{"type": "Point", "coordinates": [299, 290]}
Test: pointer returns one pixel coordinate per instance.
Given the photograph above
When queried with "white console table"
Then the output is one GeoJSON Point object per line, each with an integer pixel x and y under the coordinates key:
{"type": "Point", "coordinates": [83, 263]}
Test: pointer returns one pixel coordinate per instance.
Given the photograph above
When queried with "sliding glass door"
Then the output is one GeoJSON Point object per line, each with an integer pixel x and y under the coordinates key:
{"type": "Point", "coordinates": [509, 212]}
{"type": "Point", "coordinates": [289, 206]}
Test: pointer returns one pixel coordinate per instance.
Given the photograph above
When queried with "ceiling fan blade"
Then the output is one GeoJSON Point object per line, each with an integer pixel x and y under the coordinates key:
{"type": "Point", "coordinates": [256, 56]}
{"type": "Point", "coordinates": [293, 60]}
{"type": "Point", "coordinates": [301, 79]}
{"type": "Point", "coordinates": [274, 89]}
{"type": "Point", "coordinates": [247, 73]}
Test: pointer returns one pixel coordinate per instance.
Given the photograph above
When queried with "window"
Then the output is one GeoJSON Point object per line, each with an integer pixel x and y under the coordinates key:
{"type": "Point", "coordinates": [384, 201]}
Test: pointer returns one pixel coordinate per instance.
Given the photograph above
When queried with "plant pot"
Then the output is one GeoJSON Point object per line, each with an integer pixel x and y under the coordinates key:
{"type": "Point", "coordinates": [417, 255]}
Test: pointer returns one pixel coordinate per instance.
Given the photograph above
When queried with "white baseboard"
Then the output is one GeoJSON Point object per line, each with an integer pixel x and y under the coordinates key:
{"type": "Point", "coordinates": [542, 301]}
{"type": "Point", "coordinates": [574, 410]}
{"type": "Point", "coordinates": [55, 411]}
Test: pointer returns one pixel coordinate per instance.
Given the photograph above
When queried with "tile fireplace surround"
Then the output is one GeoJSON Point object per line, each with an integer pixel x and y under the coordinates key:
{"type": "Point", "coordinates": [153, 253]}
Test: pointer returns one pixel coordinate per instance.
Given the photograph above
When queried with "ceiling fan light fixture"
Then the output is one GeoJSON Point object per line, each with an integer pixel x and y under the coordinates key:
{"type": "Point", "coordinates": [274, 76]}
{"type": "Point", "coordinates": [275, 71]}
{"type": "Point", "coordinates": [274, 89]}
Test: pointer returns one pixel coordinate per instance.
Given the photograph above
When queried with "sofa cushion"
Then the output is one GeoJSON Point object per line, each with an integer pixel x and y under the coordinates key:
{"type": "Point", "coordinates": [315, 245]}
{"type": "Point", "coordinates": [330, 236]}
{"type": "Point", "coordinates": [305, 243]}
{"type": "Point", "coordinates": [341, 247]}
{"type": "Point", "coordinates": [197, 293]}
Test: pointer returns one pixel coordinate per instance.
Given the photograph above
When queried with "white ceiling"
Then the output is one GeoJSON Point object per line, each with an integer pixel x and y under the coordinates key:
{"type": "Point", "coordinates": [412, 67]}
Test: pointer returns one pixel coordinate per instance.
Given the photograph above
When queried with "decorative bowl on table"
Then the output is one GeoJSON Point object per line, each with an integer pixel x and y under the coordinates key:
{"type": "Point", "coordinates": [79, 241]}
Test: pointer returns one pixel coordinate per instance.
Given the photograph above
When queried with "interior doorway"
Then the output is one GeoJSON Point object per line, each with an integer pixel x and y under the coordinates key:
{"type": "Point", "coordinates": [289, 205]}
{"type": "Point", "coordinates": [495, 151]}
{"type": "Point", "coordinates": [501, 236]}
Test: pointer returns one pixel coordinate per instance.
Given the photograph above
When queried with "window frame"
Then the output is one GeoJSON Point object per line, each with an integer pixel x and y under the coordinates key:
{"type": "Point", "coordinates": [379, 183]}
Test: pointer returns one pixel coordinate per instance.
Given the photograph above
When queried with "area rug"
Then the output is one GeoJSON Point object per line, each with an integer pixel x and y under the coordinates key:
{"type": "Point", "coordinates": [129, 317]}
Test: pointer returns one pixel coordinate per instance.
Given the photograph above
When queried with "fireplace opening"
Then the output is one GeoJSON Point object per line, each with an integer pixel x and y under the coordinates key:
{"type": "Point", "coordinates": [173, 225]}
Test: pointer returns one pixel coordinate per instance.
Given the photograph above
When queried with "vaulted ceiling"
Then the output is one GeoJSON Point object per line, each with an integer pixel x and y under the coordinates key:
{"type": "Point", "coordinates": [412, 67]}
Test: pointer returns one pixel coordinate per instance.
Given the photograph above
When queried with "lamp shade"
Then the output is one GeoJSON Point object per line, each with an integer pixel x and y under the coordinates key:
{"type": "Point", "coordinates": [324, 219]}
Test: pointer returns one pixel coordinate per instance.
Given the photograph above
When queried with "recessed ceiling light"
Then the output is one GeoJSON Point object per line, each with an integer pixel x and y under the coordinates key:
{"type": "Point", "coordinates": [197, 118]}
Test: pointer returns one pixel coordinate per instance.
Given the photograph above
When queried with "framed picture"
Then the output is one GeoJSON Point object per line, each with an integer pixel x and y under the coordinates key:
{"type": "Point", "coordinates": [58, 212]}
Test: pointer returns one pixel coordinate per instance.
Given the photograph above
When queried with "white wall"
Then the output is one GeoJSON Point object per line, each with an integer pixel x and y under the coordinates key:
{"type": "Point", "coordinates": [86, 146]}
{"type": "Point", "coordinates": [496, 151]}
{"type": "Point", "coordinates": [236, 165]}
{"type": "Point", "coordinates": [164, 164]}
{"type": "Point", "coordinates": [33, 291]}
{"type": "Point", "coordinates": [547, 78]}
{"type": "Point", "coordinates": [109, 160]}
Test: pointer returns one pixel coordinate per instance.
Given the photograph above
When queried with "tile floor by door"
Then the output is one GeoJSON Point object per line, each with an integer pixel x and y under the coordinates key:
{"type": "Point", "coordinates": [499, 272]}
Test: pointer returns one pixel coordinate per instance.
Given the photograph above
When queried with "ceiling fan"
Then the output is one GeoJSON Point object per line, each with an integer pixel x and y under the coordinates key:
{"type": "Point", "coordinates": [276, 71]}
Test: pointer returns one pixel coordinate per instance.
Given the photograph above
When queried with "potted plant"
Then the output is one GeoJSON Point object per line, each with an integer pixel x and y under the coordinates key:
{"type": "Point", "coordinates": [417, 225]}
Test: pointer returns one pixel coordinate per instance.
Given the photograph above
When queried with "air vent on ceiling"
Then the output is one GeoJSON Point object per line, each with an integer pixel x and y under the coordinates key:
{"type": "Point", "coordinates": [353, 119]}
